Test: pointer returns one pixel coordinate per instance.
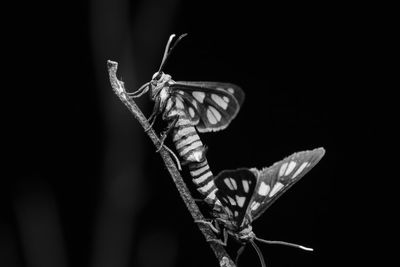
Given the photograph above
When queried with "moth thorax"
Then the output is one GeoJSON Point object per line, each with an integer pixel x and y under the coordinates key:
{"type": "Point", "coordinates": [246, 234]}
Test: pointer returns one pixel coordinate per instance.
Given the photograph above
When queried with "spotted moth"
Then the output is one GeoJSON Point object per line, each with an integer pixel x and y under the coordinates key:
{"type": "Point", "coordinates": [245, 194]}
{"type": "Point", "coordinates": [210, 106]}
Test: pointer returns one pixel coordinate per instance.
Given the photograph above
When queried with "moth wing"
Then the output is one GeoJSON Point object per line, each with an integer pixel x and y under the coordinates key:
{"type": "Point", "coordinates": [235, 190]}
{"type": "Point", "coordinates": [273, 181]}
{"type": "Point", "coordinates": [216, 104]}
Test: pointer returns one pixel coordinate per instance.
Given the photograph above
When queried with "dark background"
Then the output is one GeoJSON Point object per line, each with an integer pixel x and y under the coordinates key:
{"type": "Point", "coordinates": [82, 184]}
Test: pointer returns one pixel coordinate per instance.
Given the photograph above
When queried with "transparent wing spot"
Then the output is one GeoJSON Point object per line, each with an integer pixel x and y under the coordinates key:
{"type": "Point", "coordinates": [226, 99]}
{"type": "Point", "coordinates": [228, 183]}
{"type": "Point", "coordinates": [264, 189]}
{"type": "Point", "coordinates": [245, 184]}
{"type": "Point", "coordinates": [300, 169]}
{"type": "Point", "coordinates": [232, 201]}
{"type": "Point", "coordinates": [179, 103]}
{"type": "Point", "coordinates": [277, 187]}
{"type": "Point", "coordinates": [220, 101]}
{"type": "Point", "coordinates": [290, 167]}
{"type": "Point", "coordinates": [255, 205]}
{"type": "Point", "coordinates": [213, 115]}
{"type": "Point", "coordinates": [282, 169]}
{"type": "Point", "coordinates": [194, 103]}
{"type": "Point", "coordinates": [199, 96]}
{"type": "Point", "coordinates": [236, 213]}
{"type": "Point", "coordinates": [231, 90]}
{"type": "Point", "coordinates": [240, 200]}
{"type": "Point", "coordinates": [191, 112]}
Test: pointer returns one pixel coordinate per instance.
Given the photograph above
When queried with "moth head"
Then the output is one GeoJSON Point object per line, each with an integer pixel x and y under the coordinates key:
{"type": "Point", "coordinates": [246, 234]}
{"type": "Point", "coordinates": [158, 81]}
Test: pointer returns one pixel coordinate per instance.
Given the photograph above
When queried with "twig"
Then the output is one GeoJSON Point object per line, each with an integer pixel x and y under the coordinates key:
{"type": "Point", "coordinates": [119, 89]}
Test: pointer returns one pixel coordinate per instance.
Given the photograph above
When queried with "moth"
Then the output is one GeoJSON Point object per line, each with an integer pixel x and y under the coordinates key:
{"type": "Point", "coordinates": [210, 106]}
{"type": "Point", "coordinates": [190, 107]}
{"type": "Point", "coordinates": [245, 194]}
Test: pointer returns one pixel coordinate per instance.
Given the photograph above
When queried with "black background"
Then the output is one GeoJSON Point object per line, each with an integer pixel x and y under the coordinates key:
{"type": "Point", "coordinates": [83, 185]}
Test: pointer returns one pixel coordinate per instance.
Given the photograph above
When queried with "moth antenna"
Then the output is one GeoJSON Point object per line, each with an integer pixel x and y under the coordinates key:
{"type": "Point", "coordinates": [260, 255]}
{"type": "Point", "coordinates": [283, 243]}
{"type": "Point", "coordinates": [168, 50]}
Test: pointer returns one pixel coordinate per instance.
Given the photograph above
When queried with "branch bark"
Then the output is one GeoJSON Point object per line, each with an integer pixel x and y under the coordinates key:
{"type": "Point", "coordinates": [119, 88]}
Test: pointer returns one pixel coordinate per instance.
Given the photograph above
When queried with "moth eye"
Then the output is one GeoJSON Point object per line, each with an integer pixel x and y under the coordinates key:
{"type": "Point", "coordinates": [157, 76]}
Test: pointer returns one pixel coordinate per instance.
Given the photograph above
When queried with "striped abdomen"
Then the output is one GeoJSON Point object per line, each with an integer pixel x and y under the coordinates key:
{"type": "Point", "coordinates": [192, 151]}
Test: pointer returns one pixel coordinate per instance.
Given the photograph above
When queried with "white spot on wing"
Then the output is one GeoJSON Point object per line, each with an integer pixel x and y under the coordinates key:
{"type": "Point", "coordinates": [300, 169]}
{"type": "Point", "coordinates": [263, 190]}
{"type": "Point", "coordinates": [290, 168]}
{"type": "Point", "coordinates": [226, 99]}
{"type": "Point", "coordinates": [179, 104]}
{"type": "Point", "coordinates": [245, 186]}
{"type": "Point", "coordinates": [278, 186]}
{"type": "Point", "coordinates": [236, 213]}
{"type": "Point", "coordinates": [232, 201]}
{"type": "Point", "coordinates": [240, 201]}
{"type": "Point", "coordinates": [233, 183]}
{"type": "Point", "coordinates": [210, 117]}
{"type": "Point", "coordinates": [255, 205]}
{"type": "Point", "coordinates": [191, 112]}
{"type": "Point", "coordinates": [199, 96]}
{"type": "Point", "coordinates": [230, 90]}
{"type": "Point", "coordinates": [228, 183]}
{"type": "Point", "coordinates": [282, 169]}
{"type": "Point", "coordinates": [216, 113]}
{"type": "Point", "coordinates": [217, 99]}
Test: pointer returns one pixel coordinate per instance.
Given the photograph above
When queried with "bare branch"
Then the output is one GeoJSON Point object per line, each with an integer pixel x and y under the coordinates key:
{"type": "Point", "coordinates": [118, 87]}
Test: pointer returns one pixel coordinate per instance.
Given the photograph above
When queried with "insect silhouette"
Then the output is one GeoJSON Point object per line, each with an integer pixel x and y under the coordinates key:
{"type": "Point", "coordinates": [244, 194]}
{"type": "Point", "coordinates": [190, 107]}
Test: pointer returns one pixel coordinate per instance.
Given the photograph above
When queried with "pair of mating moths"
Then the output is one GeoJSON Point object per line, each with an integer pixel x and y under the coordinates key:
{"type": "Point", "coordinates": [237, 197]}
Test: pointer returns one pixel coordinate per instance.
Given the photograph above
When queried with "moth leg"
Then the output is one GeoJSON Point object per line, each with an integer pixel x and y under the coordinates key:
{"type": "Point", "coordinates": [164, 135]}
{"type": "Point", "coordinates": [219, 241]}
{"type": "Point", "coordinates": [139, 92]}
{"type": "Point", "coordinates": [152, 119]}
{"type": "Point", "coordinates": [238, 253]}
{"type": "Point", "coordinates": [178, 165]}
{"type": "Point", "coordinates": [215, 228]}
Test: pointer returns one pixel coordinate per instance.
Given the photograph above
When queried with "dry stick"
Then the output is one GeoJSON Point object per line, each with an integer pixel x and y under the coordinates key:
{"type": "Point", "coordinates": [119, 89]}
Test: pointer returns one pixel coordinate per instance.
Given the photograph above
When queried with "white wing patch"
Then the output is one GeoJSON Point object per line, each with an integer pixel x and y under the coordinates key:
{"type": "Point", "coordinates": [240, 201]}
{"type": "Point", "coordinates": [194, 103]}
{"type": "Point", "coordinates": [263, 190]}
{"type": "Point", "coordinates": [219, 100]}
{"type": "Point", "coordinates": [226, 99]}
{"type": "Point", "coordinates": [230, 90]}
{"type": "Point", "coordinates": [199, 96]}
{"type": "Point", "coordinates": [278, 186]}
{"type": "Point", "coordinates": [255, 205]}
{"type": "Point", "coordinates": [191, 112]}
{"type": "Point", "coordinates": [228, 183]}
{"type": "Point", "coordinates": [233, 183]}
{"type": "Point", "coordinates": [282, 169]}
{"type": "Point", "coordinates": [300, 169]}
{"type": "Point", "coordinates": [232, 201]}
{"type": "Point", "coordinates": [213, 115]}
{"type": "Point", "coordinates": [179, 104]}
{"type": "Point", "coordinates": [245, 186]}
{"type": "Point", "coordinates": [290, 168]}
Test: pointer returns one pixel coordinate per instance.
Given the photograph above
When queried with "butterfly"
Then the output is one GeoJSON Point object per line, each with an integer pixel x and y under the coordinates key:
{"type": "Point", "coordinates": [209, 106]}
{"type": "Point", "coordinates": [245, 194]}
